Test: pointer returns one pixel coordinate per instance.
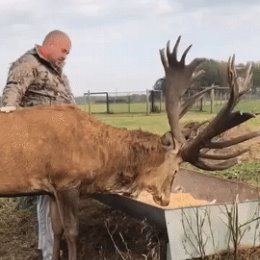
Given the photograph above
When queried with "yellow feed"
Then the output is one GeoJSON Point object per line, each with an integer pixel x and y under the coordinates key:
{"type": "Point", "coordinates": [178, 200]}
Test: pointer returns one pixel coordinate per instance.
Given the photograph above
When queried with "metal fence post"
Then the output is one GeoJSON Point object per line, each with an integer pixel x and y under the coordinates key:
{"type": "Point", "coordinates": [129, 102]}
{"type": "Point", "coordinates": [147, 102]}
{"type": "Point", "coordinates": [89, 104]}
{"type": "Point", "coordinates": [161, 97]}
{"type": "Point", "coordinates": [201, 104]}
{"type": "Point", "coordinates": [212, 100]}
{"type": "Point", "coordinates": [107, 101]}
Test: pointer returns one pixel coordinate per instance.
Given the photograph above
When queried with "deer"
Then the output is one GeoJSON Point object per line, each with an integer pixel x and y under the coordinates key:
{"type": "Point", "coordinates": [62, 151]}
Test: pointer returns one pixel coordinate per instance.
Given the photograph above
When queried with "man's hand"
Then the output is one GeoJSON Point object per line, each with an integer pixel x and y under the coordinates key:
{"type": "Point", "coordinates": [8, 109]}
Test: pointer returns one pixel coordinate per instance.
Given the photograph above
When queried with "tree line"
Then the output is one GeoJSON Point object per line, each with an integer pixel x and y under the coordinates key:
{"type": "Point", "coordinates": [216, 73]}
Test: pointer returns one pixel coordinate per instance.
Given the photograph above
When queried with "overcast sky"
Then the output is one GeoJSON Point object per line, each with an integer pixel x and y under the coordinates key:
{"type": "Point", "coordinates": [115, 43]}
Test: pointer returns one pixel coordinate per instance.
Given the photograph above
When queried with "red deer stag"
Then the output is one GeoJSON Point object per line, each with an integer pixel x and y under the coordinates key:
{"type": "Point", "coordinates": [57, 149]}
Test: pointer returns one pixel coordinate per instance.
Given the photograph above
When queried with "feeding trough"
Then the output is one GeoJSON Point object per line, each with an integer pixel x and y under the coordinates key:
{"type": "Point", "coordinates": [232, 211]}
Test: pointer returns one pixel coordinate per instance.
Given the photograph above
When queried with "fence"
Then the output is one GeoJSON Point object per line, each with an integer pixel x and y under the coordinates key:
{"type": "Point", "coordinates": [216, 97]}
{"type": "Point", "coordinates": [153, 101]}
{"type": "Point", "coordinates": [115, 102]}
{"type": "Point", "coordinates": [150, 101]}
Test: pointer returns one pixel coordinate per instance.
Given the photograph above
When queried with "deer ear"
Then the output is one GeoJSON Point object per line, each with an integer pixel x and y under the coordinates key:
{"type": "Point", "coordinates": [167, 141]}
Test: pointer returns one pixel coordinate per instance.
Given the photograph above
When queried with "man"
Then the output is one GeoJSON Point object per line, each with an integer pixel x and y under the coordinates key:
{"type": "Point", "coordinates": [36, 78]}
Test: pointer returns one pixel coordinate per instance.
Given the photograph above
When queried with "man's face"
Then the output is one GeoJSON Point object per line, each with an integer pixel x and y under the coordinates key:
{"type": "Point", "coordinates": [58, 51]}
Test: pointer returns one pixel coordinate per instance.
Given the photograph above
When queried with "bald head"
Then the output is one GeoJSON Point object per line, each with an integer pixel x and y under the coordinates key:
{"type": "Point", "coordinates": [54, 36]}
{"type": "Point", "coordinates": [55, 47]}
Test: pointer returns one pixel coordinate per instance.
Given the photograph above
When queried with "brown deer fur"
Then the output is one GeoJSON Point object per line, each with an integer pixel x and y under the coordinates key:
{"type": "Point", "coordinates": [60, 149]}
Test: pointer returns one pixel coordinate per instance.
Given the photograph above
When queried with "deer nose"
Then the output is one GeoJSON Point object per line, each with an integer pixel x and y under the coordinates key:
{"type": "Point", "coordinates": [161, 201]}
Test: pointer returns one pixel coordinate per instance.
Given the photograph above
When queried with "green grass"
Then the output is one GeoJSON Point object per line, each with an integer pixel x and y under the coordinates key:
{"type": "Point", "coordinates": [116, 108]}
{"type": "Point", "coordinates": [154, 123]}
{"type": "Point", "coordinates": [243, 106]}
{"type": "Point", "coordinates": [246, 172]}
{"type": "Point", "coordinates": [158, 123]}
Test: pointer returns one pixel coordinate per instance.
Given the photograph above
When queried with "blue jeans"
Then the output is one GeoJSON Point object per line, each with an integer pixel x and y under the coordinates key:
{"type": "Point", "coordinates": [45, 233]}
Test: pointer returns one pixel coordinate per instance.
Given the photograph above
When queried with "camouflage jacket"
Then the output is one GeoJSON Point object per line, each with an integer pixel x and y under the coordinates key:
{"type": "Point", "coordinates": [32, 80]}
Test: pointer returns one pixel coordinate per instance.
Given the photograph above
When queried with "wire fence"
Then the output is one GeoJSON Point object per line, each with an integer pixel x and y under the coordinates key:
{"type": "Point", "coordinates": [151, 101]}
{"type": "Point", "coordinates": [115, 102]}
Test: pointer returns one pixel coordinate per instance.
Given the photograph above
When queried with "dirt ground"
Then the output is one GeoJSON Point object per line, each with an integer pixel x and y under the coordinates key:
{"type": "Point", "coordinates": [104, 232]}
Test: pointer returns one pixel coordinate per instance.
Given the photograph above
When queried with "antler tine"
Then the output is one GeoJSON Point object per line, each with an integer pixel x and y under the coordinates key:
{"type": "Point", "coordinates": [163, 59]}
{"type": "Point", "coordinates": [195, 63]}
{"type": "Point", "coordinates": [225, 119]}
{"type": "Point", "coordinates": [239, 86]}
{"type": "Point", "coordinates": [168, 51]}
{"type": "Point", "coordinates": [232, 82]}
{"type": "Point", "coordinates": [190, 101]}
{"type": "Point", "coordinates": [244, 84]}
{"type": "Point", "coordinates": [217, 166]}
{"type": "Point", "coordinates": [172, 56]}
{"type": "Point", "coordinates": [223, 156]}
{"type": "Point", "coordinates": [178, 78]}
{"type": "Point", "coordinates": [184, 55]}
{"type": "Point", "coordinates": [197, 74]}
{"type": "Point", "coordinates": [234, 141]}
{"type": "Point", "coordinates": [249, 74]}
{"type": "Point", "coordinates": [175, 49]}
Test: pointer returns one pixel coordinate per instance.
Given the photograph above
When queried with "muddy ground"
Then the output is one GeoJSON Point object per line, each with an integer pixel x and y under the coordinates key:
{"type": "Point", "coordinates": [104, 232]}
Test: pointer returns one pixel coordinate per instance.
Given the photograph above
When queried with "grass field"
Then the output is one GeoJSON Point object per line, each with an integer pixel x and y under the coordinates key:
{"type": "Point", "coordinates": [158, 123]}
{"type": "Point", "coordinates": [116, 107]}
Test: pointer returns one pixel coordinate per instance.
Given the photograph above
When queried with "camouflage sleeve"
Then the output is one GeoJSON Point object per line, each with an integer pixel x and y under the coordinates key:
{"type": "Point", "coordinates": [68, 89]}
{"type": "Point", "coordinates": [19, 78]}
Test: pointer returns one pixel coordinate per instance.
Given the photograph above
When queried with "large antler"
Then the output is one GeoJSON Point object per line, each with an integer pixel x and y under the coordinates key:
{"type": "Point", "coordinates": [179, 77]}
{"type": "Point", "coordinates": [225, 119]}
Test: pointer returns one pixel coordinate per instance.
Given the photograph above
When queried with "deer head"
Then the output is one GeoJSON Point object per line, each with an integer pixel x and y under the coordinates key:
{"type": "Point", "coordinates": [180, 148]}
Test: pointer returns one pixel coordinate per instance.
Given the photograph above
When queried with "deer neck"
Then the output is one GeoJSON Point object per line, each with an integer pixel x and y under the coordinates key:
{"type": "Point", "coordinates": [127, 154]}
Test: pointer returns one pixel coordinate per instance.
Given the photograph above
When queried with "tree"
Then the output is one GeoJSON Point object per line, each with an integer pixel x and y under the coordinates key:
{"type": "Point", "coordinates": [256, 77]}
{"type": "Point", "coordinates": [216, 73]}
{"type": "Point", "coordinates": [159, 85]}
